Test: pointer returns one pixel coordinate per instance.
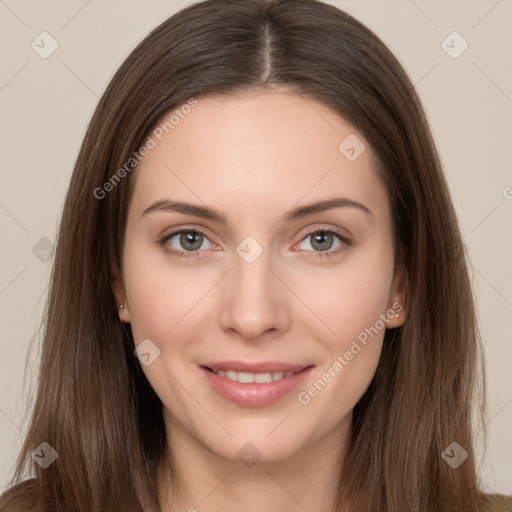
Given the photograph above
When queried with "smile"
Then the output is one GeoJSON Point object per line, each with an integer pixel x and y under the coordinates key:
{"type": "Point", "coordinates": [255, 388]}
{"type": "Point", "coordinates": [248, 377]}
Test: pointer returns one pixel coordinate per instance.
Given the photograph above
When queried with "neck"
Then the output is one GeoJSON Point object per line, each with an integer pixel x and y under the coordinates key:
{"type": "Point", "coordinates": [204, 481]}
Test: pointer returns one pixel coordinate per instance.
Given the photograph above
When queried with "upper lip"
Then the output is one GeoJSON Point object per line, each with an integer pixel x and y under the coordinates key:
{"type": "Point", "coordinates": [256, 367]}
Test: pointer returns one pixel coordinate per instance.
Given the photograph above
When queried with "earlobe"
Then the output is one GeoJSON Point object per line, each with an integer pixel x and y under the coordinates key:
{"type": "Point", "coordinates": [397, 303]}
{"type": "Point", "coordinates": [117, 285]}
{"type": "Point", "coordinates": [395, 315]}
{"type": "Point", "coordinates": [124, 314]}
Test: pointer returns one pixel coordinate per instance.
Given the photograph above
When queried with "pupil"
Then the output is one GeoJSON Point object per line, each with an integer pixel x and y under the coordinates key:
{"type": "Point", "coordinates": [188, 238]}
{"type": "Point", "coordinates": [321, 237]}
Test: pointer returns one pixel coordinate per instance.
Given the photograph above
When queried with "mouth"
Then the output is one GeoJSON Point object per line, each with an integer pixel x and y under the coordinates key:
{"type": "Point", "coordinates": [254, 384]}
{"type": "Point", "coordinates": [250, 377]}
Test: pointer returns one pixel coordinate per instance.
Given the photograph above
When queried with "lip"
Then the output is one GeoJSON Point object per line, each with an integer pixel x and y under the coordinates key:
{"type": "Point", "coordinates": [252, 394]}
{"type": "Point", "coordinates": [257, 367]}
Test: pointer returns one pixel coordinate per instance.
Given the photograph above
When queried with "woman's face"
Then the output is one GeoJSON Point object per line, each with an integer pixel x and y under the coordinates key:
{"type": "Point", "coordinates": [251, 286]}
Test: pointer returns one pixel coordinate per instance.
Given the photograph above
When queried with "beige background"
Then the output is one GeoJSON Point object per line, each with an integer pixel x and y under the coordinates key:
{"type": "Point", "coordinates": [46, 105]}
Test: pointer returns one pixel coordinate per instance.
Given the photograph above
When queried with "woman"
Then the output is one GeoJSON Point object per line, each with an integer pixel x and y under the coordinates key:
{"type": "Point", "coordinates": [258, 367]}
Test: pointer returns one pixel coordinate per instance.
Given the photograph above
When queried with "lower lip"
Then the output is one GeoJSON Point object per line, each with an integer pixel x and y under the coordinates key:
{"type": "Point", "coordinates": [251, 394]}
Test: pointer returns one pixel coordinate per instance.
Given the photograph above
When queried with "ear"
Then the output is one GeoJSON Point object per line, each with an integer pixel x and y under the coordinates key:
{"type": "Point", "coordinates": [397, 301]}
{"type": "Point", "coordinates": [117, 285]}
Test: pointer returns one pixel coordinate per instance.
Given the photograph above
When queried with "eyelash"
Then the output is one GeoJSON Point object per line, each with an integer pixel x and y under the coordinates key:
{"type": "Point", "coordinates": [315, 254]}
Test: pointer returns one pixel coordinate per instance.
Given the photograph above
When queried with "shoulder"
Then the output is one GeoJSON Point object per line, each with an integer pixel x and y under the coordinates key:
{"type": "Point", "coordinates": [500, 503]}
{"type": "Point", "coordinates": [21, 497]}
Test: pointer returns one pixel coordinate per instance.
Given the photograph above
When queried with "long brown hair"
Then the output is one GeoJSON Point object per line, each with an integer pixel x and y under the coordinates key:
{"type": "Point", "coordinates": [94, 405]}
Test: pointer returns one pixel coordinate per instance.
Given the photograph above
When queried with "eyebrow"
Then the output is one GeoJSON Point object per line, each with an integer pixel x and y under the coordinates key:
{"type": "Point", "coordinates": [216, 215]}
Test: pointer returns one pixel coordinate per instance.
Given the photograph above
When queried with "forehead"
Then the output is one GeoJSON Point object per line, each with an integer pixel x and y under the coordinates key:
{"type": "Point", "coordinates": [257, 151]}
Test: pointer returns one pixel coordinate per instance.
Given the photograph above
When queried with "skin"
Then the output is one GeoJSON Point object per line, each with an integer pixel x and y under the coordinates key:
{"type": "Point", "coordinates": [254, 157]}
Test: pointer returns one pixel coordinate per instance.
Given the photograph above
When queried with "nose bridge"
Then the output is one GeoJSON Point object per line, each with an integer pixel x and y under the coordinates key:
{"type": "Point", "coordinates": [254, 300]}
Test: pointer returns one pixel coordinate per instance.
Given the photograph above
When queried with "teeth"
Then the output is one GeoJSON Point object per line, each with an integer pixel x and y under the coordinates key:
{"type": "Point", "coordinates": [258, 378]}
{"type": "Point", "coordinates": [277, 375]}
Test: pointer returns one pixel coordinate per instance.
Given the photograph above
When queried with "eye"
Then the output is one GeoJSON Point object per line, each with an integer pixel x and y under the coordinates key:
{"type": "Point", "coordinates": [323, 240]}
{"type": "Point", "coordinates": [188, 243]}
{"type": "Point", "coordinates": [185, 243]}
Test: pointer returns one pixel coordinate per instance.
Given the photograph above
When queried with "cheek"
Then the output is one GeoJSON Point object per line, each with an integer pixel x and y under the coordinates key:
{"type": "Point", "coordinates": [350, 298]}
{"type": "Point", "coordinates": [165, 303]}
{"type": "Point", "coordinates": [161, 296]}
{"type": "Point", "coordinates": [351, 305]}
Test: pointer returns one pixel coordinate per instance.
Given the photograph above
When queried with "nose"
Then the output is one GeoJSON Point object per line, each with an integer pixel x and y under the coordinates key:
{"type": "Point", "coordinates": [254, 301]}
